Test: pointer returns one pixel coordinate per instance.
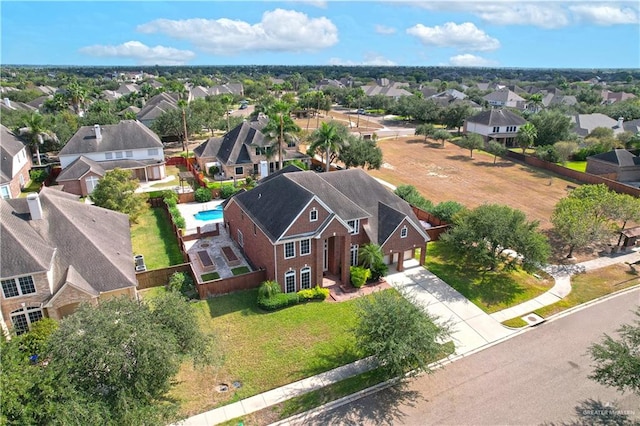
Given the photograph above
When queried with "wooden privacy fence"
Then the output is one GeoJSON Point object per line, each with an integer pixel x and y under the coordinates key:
{"type": "Point", "coordinates": [438, 226]}
{"type": "Point", "coordinates": [160, 277]}
{"type": "Point", "coordinates": [586, 178]}
{"type": "Point", "coordinates": [231, 284]}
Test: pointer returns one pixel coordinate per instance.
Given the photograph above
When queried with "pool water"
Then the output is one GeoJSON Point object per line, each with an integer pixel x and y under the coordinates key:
{"type": "Point", "coordinates": [208, 215]}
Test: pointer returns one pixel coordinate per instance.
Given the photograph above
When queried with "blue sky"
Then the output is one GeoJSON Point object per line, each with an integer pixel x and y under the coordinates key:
{"type": "Point", "coordinates": [501, 33]}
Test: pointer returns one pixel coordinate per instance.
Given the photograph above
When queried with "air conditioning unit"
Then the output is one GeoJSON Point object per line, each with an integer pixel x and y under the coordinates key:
{"type": "Point", "coordinates": [139, 263]}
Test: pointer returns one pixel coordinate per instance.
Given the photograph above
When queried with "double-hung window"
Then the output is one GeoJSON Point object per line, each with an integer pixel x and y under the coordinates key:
{"type": "Point", "coordinates": [403, 232]}
{"type": "Point", "coordinates": [289, 250]}
{"type": "Point", "coordinates": [23, 318]}
{"type": "Point", "coordinates": [305, 247]}
{"type": "Point", "coordinates": [290, 282]}
{"type": "Point", "coordinates": [305, 278]}
{"type": "Point", "coordinates": [355, 226]}
{"type": "Point", "coordinates": [18, 286]}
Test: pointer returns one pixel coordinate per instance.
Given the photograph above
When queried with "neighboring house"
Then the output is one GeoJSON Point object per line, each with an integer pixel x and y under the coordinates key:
{"type": "Point", "coordinates": [495, 124]}
{"type": "Point", "coordinates": [300, 226]}
{"type": "Point", "coordinates": [126, 89]}
{"type": "Point", "coordinates": [555, 97]}
{"type": "Point", "coordinates": [609, 97]}
{"type": "Point", "coordinates": [242, 150]}
{"type": "Point", "coordinates": [15, 163]}
{"type": "Point", "coordinates": [505, 98]}
{"type": "Point", "coordinates": [56, 253]}
{"type": "Point", "coordinates": [392, 90]}
{"type": "Point", "coordinates": [327, 82]}
{"type": "Point", "coordinates": [9, 105]}
{"type": "Point", "coordinates": [93, 150]}
{"type": "Point", "coordinates": [584, 124]}
{"type": "Point", "coordinates": [632, 126]}
{"type": "Point", "coordinates": [157, 106]}
{"type": "Point", "coordinates": [229, 88]}
{"type": "Point", "coordinates": [617, 164]}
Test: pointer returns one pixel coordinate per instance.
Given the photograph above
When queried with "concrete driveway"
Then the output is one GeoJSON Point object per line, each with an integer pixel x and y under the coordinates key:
{"type": "Point", "coordinates": [472, 328]}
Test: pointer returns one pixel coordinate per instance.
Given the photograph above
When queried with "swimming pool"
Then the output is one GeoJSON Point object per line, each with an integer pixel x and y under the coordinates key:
{"type": "Point", "coordinates": [209, 215]}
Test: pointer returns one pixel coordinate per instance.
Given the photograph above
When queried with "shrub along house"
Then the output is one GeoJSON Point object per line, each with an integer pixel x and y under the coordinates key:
{"type": "Point", "coordinates": [57, 252]}
{"type": "Point", "coordinates": [299, 226]}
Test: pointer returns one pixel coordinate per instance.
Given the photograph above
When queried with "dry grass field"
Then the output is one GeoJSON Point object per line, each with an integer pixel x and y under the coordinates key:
{"type": "Point", "coordinates": [442, 174]}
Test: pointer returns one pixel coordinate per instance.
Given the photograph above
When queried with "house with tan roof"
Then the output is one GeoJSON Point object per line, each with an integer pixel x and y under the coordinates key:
{"type": "Point", "coordinates": [505, 98]}
{"type": "Point", "coordinates": [56, 253]}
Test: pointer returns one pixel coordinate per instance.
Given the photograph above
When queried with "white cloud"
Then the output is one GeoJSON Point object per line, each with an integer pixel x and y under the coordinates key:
{"type": "Point", "coordinates": [601, 14]}
{"type": "Point", "coordinates": [544, 14]}
{"type": "Point", "coordinates": [141, 53]}
{"type": "Point", "coordinates": [383, 29]}
{"type": "Point", "coordinates": [463, 36]}
{"type": "Point", "coordinates": [469, 60]}
{"type": "Point", "coordinates": [370, 59]}
{"type": "Point", "coordinates": [279, 30]}
{"type": "Point", "coordinates": [322, 4]}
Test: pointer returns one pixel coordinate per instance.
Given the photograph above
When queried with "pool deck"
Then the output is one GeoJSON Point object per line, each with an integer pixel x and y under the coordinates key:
{"type": "Point", "coordinates": [189, 210]}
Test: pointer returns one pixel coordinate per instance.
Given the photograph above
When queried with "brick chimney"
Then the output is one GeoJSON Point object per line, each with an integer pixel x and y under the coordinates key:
{"type": "Point", "coordinates": [35, 208]}
{"type": "Point", "coordinates": [7, 102]}
{"type": "Point", "coordinates": [96, 129]}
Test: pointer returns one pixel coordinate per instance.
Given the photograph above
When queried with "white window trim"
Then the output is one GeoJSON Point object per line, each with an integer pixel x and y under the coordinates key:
{"type": "Point", "coordinates": [404, 232]}
{"type": "Point", "coordinates": [293, 244]}
{"type": "Point", "coordinates": [240, 238]}
{"type": "Point", "coordinates": [108, 155]}
{"type": "Point", "coordinates": [25, 311]}
{"type": "Point", "coordinates": [356, 226]}
{"type": "Point", "coordinates": [305, 271]}
{"type": "Point", "coordinates": [16, 280]}
{"type": "Point", "coordinates": [311, 219]}
{"type": "Point", "coordinates": [290, 273]}
{"type": "Point", "coordinates": [308, 252]}
{"type": "Point", "coordinates": [5, 192]}
{"type": "Point", "coordinates": [354, 258]}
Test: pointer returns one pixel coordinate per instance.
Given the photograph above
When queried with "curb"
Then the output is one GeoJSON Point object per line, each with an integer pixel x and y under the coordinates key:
{"type": "Point", "coordinates": [439, 364]}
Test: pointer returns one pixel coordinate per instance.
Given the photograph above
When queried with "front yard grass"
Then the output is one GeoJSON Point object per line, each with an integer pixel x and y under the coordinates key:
{"type": "Point", "coordinates": [264, 350]}
{"type": "Point", "coordinates": [579, 166]}
{"type": "Point", "coordinates": [490, 291]}
{"type": "Point", "coordinates": [153, 238]}
{"type": "Point", "coordinates": [591, 285]}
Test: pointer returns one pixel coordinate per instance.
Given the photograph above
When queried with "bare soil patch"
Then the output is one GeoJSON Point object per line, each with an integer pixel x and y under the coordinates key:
{"type": "Point", "coordinates": [442, 174]}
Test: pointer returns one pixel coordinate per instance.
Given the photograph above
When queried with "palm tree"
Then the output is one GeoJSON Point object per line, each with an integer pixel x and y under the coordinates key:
{"type": "Point", "coordinates": [36, 132]}
{"type": "Point", "coordinates": [527, 134]}
{"type": "Point", "coordinates": [76, 95]}
{"type": "Point", "coordinates": [280, 128]}
{"type": "Point", "coordinates": [369, 255]}
{"type": "Point", "coordinates": [328, 138]}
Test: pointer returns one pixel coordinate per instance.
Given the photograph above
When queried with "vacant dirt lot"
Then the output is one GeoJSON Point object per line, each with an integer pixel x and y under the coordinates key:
{"type": "Point", "coordinates": [442, 174]}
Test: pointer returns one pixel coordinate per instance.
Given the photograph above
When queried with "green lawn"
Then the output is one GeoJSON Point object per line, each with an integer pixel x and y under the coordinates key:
{"type": "Point", "coordinates": [265, 350]}
{"type": "Point", "coordinates": [579, 166]}
{"type": "Point", "coordinates": [210, 276]}
{"type": "Point", "coordinates": [240, 270]}
{"type": "Point", "coordinates": [153, 237]}
{"type": "Point", "coordinates": [517, 322]}
{"type": "Point", "coordinates": [591, 285]}
{"type": "Point", "coordinates": [491, 291]}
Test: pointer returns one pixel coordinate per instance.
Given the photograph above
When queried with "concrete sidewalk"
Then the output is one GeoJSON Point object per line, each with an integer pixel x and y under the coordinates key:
{"type": "Point", "coordinates": [562, 287]}
{"type": "Point", "coordinates": [472, 327]}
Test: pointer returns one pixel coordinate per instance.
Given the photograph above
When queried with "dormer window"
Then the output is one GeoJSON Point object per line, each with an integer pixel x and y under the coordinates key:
{"type": "Point", "coordinates": [403, 232]}
{"type": "Point", "coordinates": [313, 215]}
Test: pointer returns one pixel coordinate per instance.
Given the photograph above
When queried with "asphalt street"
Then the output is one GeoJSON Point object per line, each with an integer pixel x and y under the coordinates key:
{"type": "Point", "coordinates": [538, 377]}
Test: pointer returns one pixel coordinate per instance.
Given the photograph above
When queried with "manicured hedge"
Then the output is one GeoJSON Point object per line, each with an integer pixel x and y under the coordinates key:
{"type": "Point", "coordinates": [359, 276]}
{"type": "Point", "coordinates": [278, 301]}
{"type": "Point", "coordinates": [316, 293]}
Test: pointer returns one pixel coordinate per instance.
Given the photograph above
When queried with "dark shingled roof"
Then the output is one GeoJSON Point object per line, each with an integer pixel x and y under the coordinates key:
{"type": "Point", "coordinates": [10, 146]}
{"type": "Point", "coordinates": [158, 105]}
{"type": "Point", "coordinates": [286, 169]}
{"type": "Point", "coordinates": [208, 148]}
{"type": "Point", "coordinates": [95, 241]}
{"type": "Point", "coordinates": [350, 194]}
{"type": "Point", "coordinates": [234, 148]}
{"type": "Point", "coordinates": [621, 157]}
{"type": "Point", "coordinates": [497, 117]}
{"type": "Point", "coordinates": [126, 135]}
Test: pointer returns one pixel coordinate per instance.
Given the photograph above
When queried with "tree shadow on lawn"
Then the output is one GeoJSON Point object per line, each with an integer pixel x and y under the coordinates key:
{"type": "Point", "coordinates": [464, 158]}
{"type": "Point", "coordinates": [415, 141]}
{"type": "Point", "coordinates": [384, 407]}
{"type": "Point", "coordinates": [329, 358]}
{"type": "Point", "coordinates": [498, 164]}
{"type": "Point", "coordinates": [498, 288]}
{"type": "Point", "coordinates": [244, 301]}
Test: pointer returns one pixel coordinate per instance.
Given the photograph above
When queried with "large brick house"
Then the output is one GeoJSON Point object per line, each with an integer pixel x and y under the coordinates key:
{"type": "Point", "coordinates": [617, 164]}
{"type": "Point", "coordinates": [240, 152]}
{"type": "Point", "coordinates": [56, 253]}
{"type": "Point", "coordinates": [299, 226]}
{"type": "Point", "coordinates": [15, 163]}
{"type": "Point", "coordinates": [94, 150]}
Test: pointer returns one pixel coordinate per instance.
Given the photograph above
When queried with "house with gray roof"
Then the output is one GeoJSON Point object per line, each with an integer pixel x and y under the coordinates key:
{"type": "Point", "coordinates": [505, 98]}
{"type": "Point", "coordinates": [157, 106]}
{"type": "Point", "coordinates": [245, 151]}
{"type": "Point", "coordinates": [584, 124]}
{"type": "Point", "coordinates": [617, 164]}
{"type": "Point", "coordinates": [500, 125]}
{"type": "Point", "coordinates": [15, 163]}
{"type": "Point", "coordinates": [94, 150]}
{"type": "Point", "coordinates": [383, 87]}
{"type": "Point", "coordinates": [57, 252]}
{"type": "Point", "coordinates": [300, 226]}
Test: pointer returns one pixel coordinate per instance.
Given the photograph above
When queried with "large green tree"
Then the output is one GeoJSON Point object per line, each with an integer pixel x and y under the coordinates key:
{"type": "Point", "coordinates": [617, 361]}
{"type": "Point", "coordinates": [402, 337]}
{"type": "Point", "coordinates": [472, 141]}
{"type": "Point", "coordinates": [551, 126]}
{"type": "Point", "coordinates": [426, 130]}
{"type": "Point", "coordinates": [492, 235]}
{"type": "Point", "coordinates": [359, 152]}
{"type": "Point", "coordinates": [453, 116]}
{"type": "Point", "coordinates": [328, 140]}
{"type": "Point", "coordinates": [116, 191]}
